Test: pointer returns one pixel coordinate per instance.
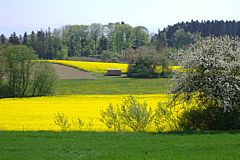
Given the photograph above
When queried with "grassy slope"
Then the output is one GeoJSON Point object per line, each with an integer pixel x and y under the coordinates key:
{"type": "Point", "coordinates": [131, 146]}
{"type": "Point", "coordinates": [113, 85]}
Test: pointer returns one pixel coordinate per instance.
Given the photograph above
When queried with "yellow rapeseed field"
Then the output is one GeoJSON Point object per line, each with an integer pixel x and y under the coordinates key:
{"type": "Point", "coordinates": [38, 113]}
{"type": "Point", "coordinates": [101, 67]}
{"type": "Point", "coordinates": [97, 67]}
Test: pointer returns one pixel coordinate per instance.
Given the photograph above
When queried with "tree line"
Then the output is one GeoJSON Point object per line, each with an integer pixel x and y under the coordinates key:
{"type": "Point", "coordinates": [114, 39]}
{"type": "Point", "coordinates": [204, 29]}
{"type": "Point", "coordinates": [81, 40]}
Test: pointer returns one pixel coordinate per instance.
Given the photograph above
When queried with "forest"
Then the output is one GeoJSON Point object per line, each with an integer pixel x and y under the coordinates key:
{"type": "Point", "coordinates": [113, 39]}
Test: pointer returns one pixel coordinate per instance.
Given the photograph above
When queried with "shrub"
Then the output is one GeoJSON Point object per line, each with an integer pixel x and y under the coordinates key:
{"type": "Point", "coordinates": [62, 121]}
{"type": "Point", "coordinates": [210, 117]}
{"type": "Point", "coordinates": [167, 117]}
{"type": "Point", "coordinates": [131, 113]}
{"type": "Point", "coordinates": [44, 78]}
{"type": "Point", "coordinates": [79, 123]}
{"type": "Point", "coordinates": [142, 63]}
{"type": "Point", "coordinates": [135, 115]}
{"type": "Point", "coordinates": [111, 57]}
{"type": "Point", "coordinates": [110, 117]}
{"type": "Point", "coordinates": [162, 115]}
{"type": "Point", "coordinates": [142, 69]}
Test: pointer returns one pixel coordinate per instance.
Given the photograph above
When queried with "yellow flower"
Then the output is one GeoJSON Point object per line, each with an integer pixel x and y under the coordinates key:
{"type": "Point", "coordinates": [97, 67]}
{"type": "Point", "coordinates": [17, 114]}
{"type": "Point", "coordinates": [102, 67]}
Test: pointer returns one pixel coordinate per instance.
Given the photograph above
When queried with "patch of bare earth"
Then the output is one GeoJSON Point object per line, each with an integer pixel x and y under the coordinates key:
{"type": "Point", "coordinates": [65, 72]}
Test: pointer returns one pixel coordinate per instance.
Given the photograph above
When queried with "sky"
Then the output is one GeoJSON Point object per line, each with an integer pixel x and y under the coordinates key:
{"type": "Point", "coordinates": [28, 15]}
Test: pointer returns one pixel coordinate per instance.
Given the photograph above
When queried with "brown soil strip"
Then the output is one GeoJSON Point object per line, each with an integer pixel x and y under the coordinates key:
{"type": "Point", "coordinates": [65, 72]}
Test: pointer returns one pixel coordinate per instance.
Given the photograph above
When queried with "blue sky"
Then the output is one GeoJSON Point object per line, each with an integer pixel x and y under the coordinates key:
{"type": "Point", "coordinates": [27, 15]}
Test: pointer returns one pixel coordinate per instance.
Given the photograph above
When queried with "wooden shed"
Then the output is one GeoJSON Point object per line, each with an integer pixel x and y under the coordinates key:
{"type": "Point", "coordinates": [114, 72]}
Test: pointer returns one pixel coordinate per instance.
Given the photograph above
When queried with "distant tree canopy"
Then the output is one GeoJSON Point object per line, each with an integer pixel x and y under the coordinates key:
{"type": "Point", "coordinates": [81, 40]}
{"type": "Point", "coordinates": [115, 38]}
{"type": "Point", "coordinates": [204, 28]}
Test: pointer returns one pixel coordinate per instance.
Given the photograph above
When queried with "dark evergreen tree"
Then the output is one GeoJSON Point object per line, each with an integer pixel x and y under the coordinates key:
{"type": "Point", "coordinates": [159, 41]}
{"type": "Point", "coordinates": [205, 28]}
{"type": "Point", "coordinates": [20, 39]}
{"type": "Point", "coordinates": [25, 39]}
{"type": "Point", "coordinates": [102, 44]}
{"type": "Point", "coordinates": [33, 40]}
{"type": "Point", "coordinates": [13, 39]}
{"type": "Point", "coordinates": [3, 39]}
{"type": "Point", "coordinates": [41, 45]}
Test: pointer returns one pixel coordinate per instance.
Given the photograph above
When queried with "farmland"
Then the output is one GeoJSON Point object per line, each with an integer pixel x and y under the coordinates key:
{"type": "Point", "coordinates": [119, 146]}
{"type": "Point", "coordinates": [32, 114]}
{"type": "Point", "coordinates": [77, 98]}
{"type": "Point", "coordinates": [97, 67]}
{"type": "Point", "coordinates": [80, 98]}
{"type": "Point", "coordinates": [100, 67]}
{"type": "Point", "coordinates": [113, 85]}
{"type": "Point", "coordinates": [119, 80]}
{"type": "Point", "coordinates": [28, 130]}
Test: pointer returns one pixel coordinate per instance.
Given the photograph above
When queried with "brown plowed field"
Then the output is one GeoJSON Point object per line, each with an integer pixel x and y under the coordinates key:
{"type": "Point", "coordinates": [65, 72]}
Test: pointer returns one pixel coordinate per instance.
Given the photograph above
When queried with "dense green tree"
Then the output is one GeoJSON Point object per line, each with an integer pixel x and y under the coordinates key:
{"type": "Point", "coordinates": [119, 38]}
{"type": "Point", "coordinates": [84, 39]}
{"type": "Point", "coordinates": [23, 76]}
{"type": "Point", "coordinates": [111, 34]}
{"type": "Point", "coordinates": [41, 44]}
{"type": "Point", "coordinates": [33, 40]}
{"type": "Point", "coordinates": [142, 62]}
{"type": "Point", "coordinates": [140, 36]}
{"type": "Point", "coordinates": [164, 60]}
{"type": "Point", "coordinates": [57, 49]}
{"type": "Point", "coordinates": [159, 41]}
{"type": "Point", "coordinates": [2, 68]}
{"type": "Point", "coordinates": [78, 40]}
{"type": "Point", "coordinates": [18, 62]}
{"type": "Point", "coordinates": [102, 44]}
{"type": "Point", "coordinates": [182, 39]}
{"type": "Point", "coordinates": [95, 33]}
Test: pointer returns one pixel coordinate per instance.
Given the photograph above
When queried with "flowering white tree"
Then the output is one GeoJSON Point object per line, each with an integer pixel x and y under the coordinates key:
{"type": "Point", "coordinates": [212, 70]}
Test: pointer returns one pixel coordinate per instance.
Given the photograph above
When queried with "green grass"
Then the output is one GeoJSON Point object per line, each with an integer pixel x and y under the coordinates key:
{"type": "Point", "coordinates": [113, 85]}
{"type": "Point", "coordinates": [118, 146]}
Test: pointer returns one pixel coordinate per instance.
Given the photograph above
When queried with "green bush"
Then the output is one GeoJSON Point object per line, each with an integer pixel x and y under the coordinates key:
{"type": "Point", "coordinates": [79, 123]}
{"type": "Point", "coordinates": [62, 121]}
{"type": "Point", "coordinates": [110, 117]}
{"type": "Point", "coordinates": [111, 56]}
{"type": "Point", "coordinates": [162, 114]}
{"type": "Point", "coordinates": [130, 113]}
{"type": "Point", "coordinates": [142, 69]}
{"type": "Point", "coordinates": [22, 76]}
{"type": "Point", "coordinates": [210, 118]}
{"type": "Point", "coordinates": [135, 115]}
{"type": "Point", "coordinates": [142, 62]}
{"type": "Point", "coordinates": [44, 79]}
